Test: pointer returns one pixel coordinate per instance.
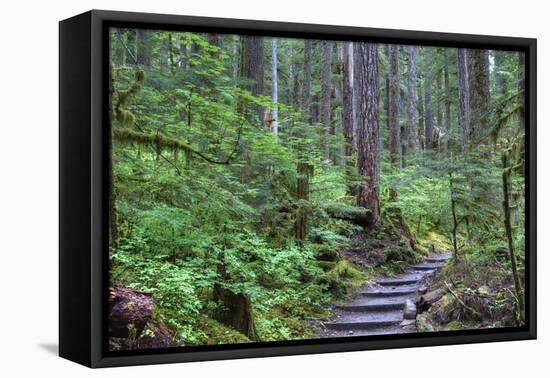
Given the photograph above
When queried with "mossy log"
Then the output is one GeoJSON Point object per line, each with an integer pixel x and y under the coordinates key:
{"type": "Point", "coordinates": [129, 312]}
{"type": "Point", "coordinates": [357, 215]}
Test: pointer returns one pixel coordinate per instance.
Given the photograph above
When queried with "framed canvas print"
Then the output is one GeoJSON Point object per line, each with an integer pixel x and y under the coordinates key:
{"type": "Point", "coordinates": [234, 188]}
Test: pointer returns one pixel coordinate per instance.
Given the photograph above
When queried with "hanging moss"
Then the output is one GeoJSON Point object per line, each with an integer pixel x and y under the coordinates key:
{"type": "Point", "coordinates": [157, 141]}
{"type": "Point", "coordinates": [124, 117]}
{"type": "Point", "coordinates": [161, 142]}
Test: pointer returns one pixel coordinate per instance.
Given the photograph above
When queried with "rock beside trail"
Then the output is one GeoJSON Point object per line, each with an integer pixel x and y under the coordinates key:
{"type": "Point", "coordinates": [129, 312]}
{"type": "Point", "coordinates": [409, 310]}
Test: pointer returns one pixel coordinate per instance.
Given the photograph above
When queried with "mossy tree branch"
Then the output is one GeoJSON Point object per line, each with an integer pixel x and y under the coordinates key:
{"type": "Point", "coordinates": [163, 142]}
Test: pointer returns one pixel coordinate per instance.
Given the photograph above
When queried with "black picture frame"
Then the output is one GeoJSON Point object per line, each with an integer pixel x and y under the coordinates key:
{"type": "Point", "coordinates": [83, 162]}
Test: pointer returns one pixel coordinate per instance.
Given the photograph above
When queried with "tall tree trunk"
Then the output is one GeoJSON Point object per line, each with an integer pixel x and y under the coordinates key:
{"type": "Point", "coordinates": [454, 215]}
{"type": "Point", "coordinates": [236, 60]}
{"type": "Point", "coordinates": [478, 81]}
{"type": "Point", "coordinates": [369, 132]}
{"type": "Point", "coordinates": [501, 84]}
{"type": "Point", "coordinates": [164, 56]}
{"type": "Point", "coordinates": [144, 53]}
{"type": "Point", "coordinates": [463, 96]}
{"type": "Point", "coordinates": [506, 188]}
{"type": "Point", "coordinates": [275, 93]}
{"type": "Point", "coordinates": [393, 107]}
{"type": "Point", "coordinates": [217, 41]}
{"type": "Point", "coordinates": [447, 83]}
{"type": "Point", "coordinates": [421, 121]}
{"type": "Point", "coordinates": [252, 68]}
{"type": "Point", "coordinates": [304, 169]}
{"type": "Point", "coordinates": [412, 134]}
{"type": "Point", "coordinates": [113, 221]}
{"type": "Point", "coordinates": [326, 91]}
{"type": "Point", "coordinates": [306, 98]}
{"type": "Point", "coordinates": [348, 116]}
{"type": "Point", "coordinates": [118, 48]}
{"type": "Point", "coordinates": [356, 94]}
{"type": "Point", "coordinates": [347, 99]}
{"type": "Point", "coordinates": [428, 100]}
{"type": "Point", "coordinates": [522, 104]}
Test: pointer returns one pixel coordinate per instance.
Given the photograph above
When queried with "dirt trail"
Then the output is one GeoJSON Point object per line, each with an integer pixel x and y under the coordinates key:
{"type": "Point", "coordinates": [378, 309]}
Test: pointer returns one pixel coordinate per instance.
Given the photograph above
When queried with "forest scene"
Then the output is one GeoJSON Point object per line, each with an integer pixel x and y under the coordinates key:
{"type": "Point", "coordinates": [273, 189]}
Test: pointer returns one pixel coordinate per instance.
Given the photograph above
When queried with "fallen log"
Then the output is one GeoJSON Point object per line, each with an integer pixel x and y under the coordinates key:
{"type": "Point", "coordinates": [354, 214]}
{"type": "Point", "coordinates": [426, 300]}
{"type": "Point", "coordinates": [129, 312]}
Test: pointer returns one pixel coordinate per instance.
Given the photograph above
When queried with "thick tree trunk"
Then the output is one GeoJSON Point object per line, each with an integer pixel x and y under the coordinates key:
{"type": "Point", "coordinates": [326, 91]}
{"type": "Point", "coordinates": [304, 172]}
{"type": "Point", "coordinates": [448, 115]}
{"type": "Point", "coordinates": [356, 93]}
{"type": "Point", "coordinates": [393, 107]}
{"type": "Point", "coordinates": [478, 81]}
{"type": "Point", "coordinates": [428, 115]}
{"type": "Point", "coordinates": [521, 90]}
{"type": "Point", "coordinates": [412, 134]}
{"type": "Point", "coordinates": [144, 53]}
{"type": "Point", "coordinates": [113, 221]}
{"type": "Point", "coordinates": [306, 98]}
{"type": "Point", "coordinates": [118, 47]}
{"type": "Point", "coordinates": [233, 309]}
{"type": "Point", "coordinates": [454, 215]}
{"type": "Point", "coordinates": [421, 121]}
{"type": "Point", "coordinates": [275, 93]}
{"type": "Point", "coordinates": [217, 41]}
{"type": "Point", "coordinates": [252, 69]}
{"type": "Point", "coordinates": [463, 96]}
{"type": "Point", "coordinates": [236, 60]}
{"type": "Point", "coordinates": [347, 99]}
{"type": "Point", "coordinates": [369, 132]}
{"type": "Point", "coordinates": [164, 56]}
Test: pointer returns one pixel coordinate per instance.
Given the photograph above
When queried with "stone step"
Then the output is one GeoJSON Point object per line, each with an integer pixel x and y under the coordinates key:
{"type": "Point", "coordinates": [398, 281]}
{"type": "Point", "coordinates": [362, 325]}
{"type": "Point", "coordinates": [436, 259]}
{"type": "Point", "coordinates": [427, 266]}
{"type": "Point", "coordinates": [386, 293]}
{"type": "Point", "coordinates": [374, 307]}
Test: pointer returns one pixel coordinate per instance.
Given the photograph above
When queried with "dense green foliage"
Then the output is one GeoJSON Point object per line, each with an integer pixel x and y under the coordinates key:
{"type": "Point", "coordinates": [205, 195]}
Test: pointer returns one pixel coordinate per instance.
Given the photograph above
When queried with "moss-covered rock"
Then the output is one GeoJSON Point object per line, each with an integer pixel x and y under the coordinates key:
{"type": "Point", "coordinates": [211, 332]}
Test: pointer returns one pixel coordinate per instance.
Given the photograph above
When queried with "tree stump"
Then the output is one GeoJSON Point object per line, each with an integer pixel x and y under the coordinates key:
{"type": "Point", "coordinates": [129, 312]}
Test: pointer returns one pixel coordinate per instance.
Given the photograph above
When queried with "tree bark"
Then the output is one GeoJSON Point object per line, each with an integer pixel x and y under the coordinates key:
{"type": "Point", "coordinates": [447, 84]}
{"type": "Point", "coordinates": [326, 91]}
{"type": "Point", "coordinates": [144, 53]}
{"type": "Point", "coordinates": [369, 132]}
{"type": "Point", "coordinates": [306, 98]}
{"type": "Point", "coordinates": [428, 132]}
{"type": "Point", "coordinates": [521, 91]}
{"type": "Point", "coordinates": [217, 41]}
{"type": "Point", "coordinates": [252, 69]}
{"type": "Point", "coordinates": [463, 96]}
{"type": "Point", "coordinates": [478, 81]}
{"type": "Point", "coordinates": [348, 111]}
{"type": "Point", "coordinates": [421, 121]}
{"type": "Point", "coordinates": [506, 188]}
{"type": "Point", "coordinates": [393, 107]}
{"type": "Point", "coordinates": [412, 134]}
{"type": "Point", "coordinates": [347, 99]}
{"type": "Point", "coordinates": [275, 93]}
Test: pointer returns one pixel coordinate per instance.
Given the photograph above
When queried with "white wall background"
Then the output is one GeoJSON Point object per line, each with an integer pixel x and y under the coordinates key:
{"type": "Point", "coordinates": [28, 188]}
